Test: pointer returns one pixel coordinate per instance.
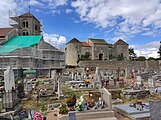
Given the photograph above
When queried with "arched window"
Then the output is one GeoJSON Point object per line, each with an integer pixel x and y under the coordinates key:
{"type": "Point", "coordinates": [25, 23]}
{"type": "Point", "coordinates": [25, 33]}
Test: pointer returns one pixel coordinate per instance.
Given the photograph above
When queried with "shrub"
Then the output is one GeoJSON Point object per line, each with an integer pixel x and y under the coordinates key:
{"type": "Point", "coordinates": [63, 109]}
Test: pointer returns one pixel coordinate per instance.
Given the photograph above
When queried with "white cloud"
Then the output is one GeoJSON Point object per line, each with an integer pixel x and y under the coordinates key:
{"type": "Point", "coordinates": [55, 39]}
{"type": "Point", "coordinates": [147, 50]}
{"type": "Point", "coordinates": [68, 11]}
{"type": "Point", "coordinates": [5, 6]}
{"type": "Point", "coordinates": [35, 2]}
{"type": "Point", "coordinates": [55, 3]}
{"type": "Point", "coordinates": [127, 16]}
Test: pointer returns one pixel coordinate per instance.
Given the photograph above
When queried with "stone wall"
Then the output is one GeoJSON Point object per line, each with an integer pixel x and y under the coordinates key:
{"type": "Point", "coordinates": [122, 49]}
{"type": "Point", "coordinates": [152, 65]}
{"type": "Point", "coordinates": [95, 114]}
{"type": "Point", "coordinates": [73, 51]}
{"type": "Point", "coordinates": [100, 49]}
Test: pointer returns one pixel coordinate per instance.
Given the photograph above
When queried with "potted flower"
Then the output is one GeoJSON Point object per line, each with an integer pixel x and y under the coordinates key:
{"type": "Point", "coordinates": [71, 100]}
{"type": "Point", "coordinates": [91, 103]}
{"type": "Point", "coordinates": [80, 104]}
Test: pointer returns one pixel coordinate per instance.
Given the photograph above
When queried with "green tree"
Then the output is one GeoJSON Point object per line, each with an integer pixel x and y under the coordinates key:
{"type": "Point", "coordinates": [132, 54]}
{"type": "Point", "coordinates": [151, 58]}
{"type": "Point", "coordinates": [141, 58]}
{"type": "Point", "coordinates": [86, 56]}
{"type": "Point", "coordinates": [159, 52]}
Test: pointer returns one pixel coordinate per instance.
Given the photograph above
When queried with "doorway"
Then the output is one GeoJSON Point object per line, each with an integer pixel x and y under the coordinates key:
{"type": "Point", "coordinates": [100, 56]}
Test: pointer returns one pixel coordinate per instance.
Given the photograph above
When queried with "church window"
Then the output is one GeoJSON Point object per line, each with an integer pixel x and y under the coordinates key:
{"type": "Point", "coordinates": [35, 27]}
{"type": "Point", "coordinates": [25, 24]}
{"type": "Point", "coordinates": [25, 33]}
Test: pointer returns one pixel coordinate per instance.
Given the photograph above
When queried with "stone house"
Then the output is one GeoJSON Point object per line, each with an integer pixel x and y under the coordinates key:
{"type": "Point", "coordinates": [99, 49]}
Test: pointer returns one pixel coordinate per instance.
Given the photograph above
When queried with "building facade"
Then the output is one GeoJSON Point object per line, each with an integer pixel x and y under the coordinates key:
{"type": "Point", "coordinates": [98, 49]}
{"type": "Point", "coordinates": [26, 24]}
{"type": "Point", "coordinates": [31, 53]}
{"type": "Point", "coordinates": [23, 48]}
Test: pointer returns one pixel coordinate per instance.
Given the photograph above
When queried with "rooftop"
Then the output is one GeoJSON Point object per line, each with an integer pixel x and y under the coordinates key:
{"type": "Point", "coordinates": [19, 42]}
{"type": "Point", "coordinates": [120, 42]}
{"type": "Point", "coordinates": [98, 41]}
{"type": "Point", "coordinates": [85, 44]}
{"type": "Point", "coordinates": [5, 31]}
{"type": "Point", "coordinates": [74, 40]}
{"type": "Point", "coordinates": [28, 14]}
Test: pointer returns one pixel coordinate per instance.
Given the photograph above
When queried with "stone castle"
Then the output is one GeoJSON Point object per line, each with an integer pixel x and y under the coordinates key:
{"type": "Point", "coordinates": [98, 49]}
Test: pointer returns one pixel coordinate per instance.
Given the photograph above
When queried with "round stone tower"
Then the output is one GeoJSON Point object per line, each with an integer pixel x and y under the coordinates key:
{"type": "Point", "coordinates": [73, 52]}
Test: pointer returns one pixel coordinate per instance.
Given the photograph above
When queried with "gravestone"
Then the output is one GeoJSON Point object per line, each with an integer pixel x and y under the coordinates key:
{"type": "Point", "coordinates": [53, 74]}
{"type": "Point", "coordinates": [139, 80]}
{"type": "Point", "coordinates": [151, 85]}
{"type": "Point", "coordinates": [10, 95]}
{"type": "Point", "coordinates": [31, 113]}
{"type": "Point", "coordinates": [71, 116]}
{"type": "Point", "coordinates": [72, 75]}
{"type": "Point", "coordinates": [9, 80]}
{"type": "Point", "coordinates": [155, 109]}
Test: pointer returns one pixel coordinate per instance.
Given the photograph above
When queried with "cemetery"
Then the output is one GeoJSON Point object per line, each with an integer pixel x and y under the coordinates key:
{"type": "Point", "coordinates": [81, 95]}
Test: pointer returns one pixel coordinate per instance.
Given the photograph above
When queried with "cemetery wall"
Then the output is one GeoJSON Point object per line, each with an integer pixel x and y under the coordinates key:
{"type": "Point", "coordinates": [152, 65]}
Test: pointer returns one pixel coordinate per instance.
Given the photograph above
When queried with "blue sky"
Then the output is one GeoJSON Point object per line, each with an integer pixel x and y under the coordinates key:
{"type": "Point", "coordinates": [138, 22]}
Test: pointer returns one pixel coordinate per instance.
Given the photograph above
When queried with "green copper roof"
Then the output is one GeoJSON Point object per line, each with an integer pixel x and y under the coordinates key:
{"type": "Point", "coordinates": [19, 42]}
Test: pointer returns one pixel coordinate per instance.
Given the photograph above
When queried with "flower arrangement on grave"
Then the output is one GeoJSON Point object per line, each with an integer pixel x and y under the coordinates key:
{"type": "Point", "coordinates": [71, 100]}
{"type": "Point", "coordinates": [91, 103]}
{"type": "Point", "coordinates": [63, 109]}
{"type": "Point", "coordinates": [80, 104]}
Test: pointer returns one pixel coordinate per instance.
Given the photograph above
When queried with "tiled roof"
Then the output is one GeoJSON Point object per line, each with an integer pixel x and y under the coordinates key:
{"type": "Point", "coordinates": [98, 41]}
{"type": "Point", "coordinates": [5, 31]}
{"type": "Point", "coordinates": [74, 40]}
{"type": "Point", "coordinates": [85, 44]}
{"type": "Point", "coordinates": [120, 42]}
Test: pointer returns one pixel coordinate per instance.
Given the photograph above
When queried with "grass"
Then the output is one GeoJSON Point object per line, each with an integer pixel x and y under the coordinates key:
{"type": "Point", "coordinates": [43, 102]}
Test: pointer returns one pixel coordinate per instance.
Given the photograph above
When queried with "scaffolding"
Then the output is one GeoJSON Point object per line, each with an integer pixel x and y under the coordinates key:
{"type": "Point", "coordinates": [14, 19]}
